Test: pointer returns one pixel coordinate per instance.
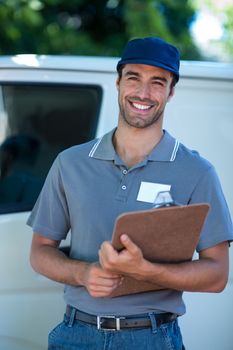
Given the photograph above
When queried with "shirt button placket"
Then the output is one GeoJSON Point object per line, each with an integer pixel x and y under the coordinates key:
{"type": "Point", "coordinates": [123, 188]}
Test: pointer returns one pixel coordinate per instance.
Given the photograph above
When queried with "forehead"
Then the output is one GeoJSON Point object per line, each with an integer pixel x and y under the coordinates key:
{"type": "Point", "coordinates": [144, 69]}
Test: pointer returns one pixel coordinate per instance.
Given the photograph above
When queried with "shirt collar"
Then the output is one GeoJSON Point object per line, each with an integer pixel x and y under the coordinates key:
{"type": "Point", "coordinates": [103, 148]}
{"type": "Point", "coordinates": [164, 151]}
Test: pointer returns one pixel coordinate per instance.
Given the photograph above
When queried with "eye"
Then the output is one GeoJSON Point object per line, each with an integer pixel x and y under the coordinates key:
{"type": "Point", "coordinates": [133, 77]}
{"type": "Point", "coordinates": [158, 83]}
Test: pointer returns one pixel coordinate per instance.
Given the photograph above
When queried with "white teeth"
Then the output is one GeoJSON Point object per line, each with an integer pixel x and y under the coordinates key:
{"type": "Point", "coordinates": [142, 107]}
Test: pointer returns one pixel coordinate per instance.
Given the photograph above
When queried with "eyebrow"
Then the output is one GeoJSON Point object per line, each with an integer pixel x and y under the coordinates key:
{"type": "Point", "coordinates": [130, 72]}
{"type": "Point", "coordinates": [153, 78]}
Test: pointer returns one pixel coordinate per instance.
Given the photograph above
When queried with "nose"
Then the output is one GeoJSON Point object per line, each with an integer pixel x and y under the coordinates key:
{"type": "Point", "coordinates": [144, 91]}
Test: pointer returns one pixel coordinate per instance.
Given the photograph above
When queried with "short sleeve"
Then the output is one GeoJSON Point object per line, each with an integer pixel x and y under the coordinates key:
{"type": "Point", "coordinates": [218, 225]}
{"type": "Point", "coordinates": [50, 215]}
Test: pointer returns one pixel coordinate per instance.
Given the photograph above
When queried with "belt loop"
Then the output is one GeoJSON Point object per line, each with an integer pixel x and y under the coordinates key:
{"type": "Point", "coordinates": [72, 318]}
{"type": "Point", "coordinates": [153, 322]}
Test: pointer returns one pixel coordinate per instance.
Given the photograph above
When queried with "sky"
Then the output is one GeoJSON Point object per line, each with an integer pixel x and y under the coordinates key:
{"type": "Point", "coordinates": [206, 27]}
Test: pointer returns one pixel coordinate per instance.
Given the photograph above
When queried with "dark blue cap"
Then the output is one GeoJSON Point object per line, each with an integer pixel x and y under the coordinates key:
{"type": "Point", "coordinates": [153, 52]}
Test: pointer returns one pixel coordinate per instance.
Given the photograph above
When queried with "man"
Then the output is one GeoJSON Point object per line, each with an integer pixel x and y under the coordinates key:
{"type": "Point", "coordinates": [91, 184]}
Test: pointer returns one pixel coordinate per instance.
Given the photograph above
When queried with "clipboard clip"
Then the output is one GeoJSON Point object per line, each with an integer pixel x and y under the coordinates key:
{"type": "Point", "coordinates": [163, 199]}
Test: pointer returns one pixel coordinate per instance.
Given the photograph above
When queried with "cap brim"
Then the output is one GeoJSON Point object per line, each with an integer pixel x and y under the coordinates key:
{"type": "Point", "coordinates": [149, 63]}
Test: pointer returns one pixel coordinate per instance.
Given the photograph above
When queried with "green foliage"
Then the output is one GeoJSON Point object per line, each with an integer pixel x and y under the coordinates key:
{"type": "Point", "coordinates": [228, 37]}
{"type": "Point", "coordinates": [164, 18]}
{"type": "Point", "coordinates": [99, 27]}
{"type": "Point", "coordinates": [143, 18]}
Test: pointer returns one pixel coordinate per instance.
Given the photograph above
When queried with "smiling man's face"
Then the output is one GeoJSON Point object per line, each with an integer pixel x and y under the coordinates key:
{"type": "Point", "coordinates": [143, 93]}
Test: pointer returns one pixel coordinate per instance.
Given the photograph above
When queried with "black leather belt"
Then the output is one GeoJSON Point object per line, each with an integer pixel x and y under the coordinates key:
{"type": "Point", "coordinates": [120, 322]}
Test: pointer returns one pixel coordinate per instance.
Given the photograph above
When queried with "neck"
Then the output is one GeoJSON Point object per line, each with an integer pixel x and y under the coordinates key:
{"type": "Point", "coordinates": [133, 145]}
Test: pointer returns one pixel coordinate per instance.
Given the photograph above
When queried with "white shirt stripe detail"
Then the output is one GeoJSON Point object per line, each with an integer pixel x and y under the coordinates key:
{"type": "Point", "coordinates": [173, 156]}
{"type": "Point", "coordinates": [92, 151]}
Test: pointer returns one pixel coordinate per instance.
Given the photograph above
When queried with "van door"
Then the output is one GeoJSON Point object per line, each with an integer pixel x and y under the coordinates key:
{"type": "Point", "coordinates": [37, 121]}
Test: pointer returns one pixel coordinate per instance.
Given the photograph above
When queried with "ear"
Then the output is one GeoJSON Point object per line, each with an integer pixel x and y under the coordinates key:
{"type": "Point", "coordinates": [171, 94]}
{"type": "Point", "coordinates": [117, 83]}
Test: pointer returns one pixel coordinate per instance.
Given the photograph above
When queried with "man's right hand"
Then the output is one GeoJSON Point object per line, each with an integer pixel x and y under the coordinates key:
{"type": "Point", "coordinates": [48, 260]}
{"type": "Point", "coordinates": [99, 282]}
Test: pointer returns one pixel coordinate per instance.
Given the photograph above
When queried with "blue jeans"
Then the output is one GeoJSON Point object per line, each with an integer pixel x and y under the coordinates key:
{"type": "Point", "coordinates": [73, 335]}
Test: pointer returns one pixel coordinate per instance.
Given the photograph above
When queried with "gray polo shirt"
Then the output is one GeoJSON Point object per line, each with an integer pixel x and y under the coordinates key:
{"type": "Point", "coordinates": [88, 186]}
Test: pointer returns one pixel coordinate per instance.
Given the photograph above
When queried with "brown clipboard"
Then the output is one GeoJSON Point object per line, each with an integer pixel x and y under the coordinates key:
{"type": "Point", "coordinates": [165, 235]}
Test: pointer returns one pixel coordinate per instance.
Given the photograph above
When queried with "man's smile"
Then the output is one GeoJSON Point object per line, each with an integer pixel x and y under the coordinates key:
{"type": "Point", "coordinates": [141, 106]}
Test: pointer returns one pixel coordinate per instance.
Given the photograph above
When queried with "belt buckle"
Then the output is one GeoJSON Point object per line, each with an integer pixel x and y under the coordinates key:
{"type": "Point", "coordinates": [117, 322]}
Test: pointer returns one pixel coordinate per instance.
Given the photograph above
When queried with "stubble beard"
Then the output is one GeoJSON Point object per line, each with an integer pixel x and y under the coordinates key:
{"type": "Point", "coordinates": [139, 122]}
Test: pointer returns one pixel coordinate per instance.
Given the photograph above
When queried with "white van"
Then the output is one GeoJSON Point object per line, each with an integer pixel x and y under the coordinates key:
{"type": "Point", "coordinates": [50, 103]}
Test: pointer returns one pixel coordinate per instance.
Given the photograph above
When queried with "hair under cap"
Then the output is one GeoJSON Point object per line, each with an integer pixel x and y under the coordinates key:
{"type": "Point", "coordinates": [152, 51]}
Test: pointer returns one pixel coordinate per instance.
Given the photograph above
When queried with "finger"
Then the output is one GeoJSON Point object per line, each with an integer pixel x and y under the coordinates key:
{"type": "Point", "coordinates": [100, 289]}
{"type": "Point", "coordinates": [101, 293]}
{"type": "Point", "coordinates": [107, 249]}
{"type": "Point", "coordinates": [108, 268]}
{"type": "Point", "coordinates": [102, 273]}
{"type": "Point", "coordinates": [111, 276]}
{"type": "Point", "coordinates": [128, 244]}
{"type": "Point", "coordinates": [106, 283]}
{"type": "Point", "coordinates": [107, 255]}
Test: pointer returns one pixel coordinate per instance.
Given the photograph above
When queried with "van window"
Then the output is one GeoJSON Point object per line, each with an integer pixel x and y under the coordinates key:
{"type": "Point", "coordinates": [36, 123]}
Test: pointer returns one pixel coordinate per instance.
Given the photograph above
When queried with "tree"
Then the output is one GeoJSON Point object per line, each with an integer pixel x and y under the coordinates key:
{"type": "Point", "coordinates": [165, 18]}
{"type": "Point", "coordinates": [99, 27]}
{"type": "Point", "coordinates": [228, 25]}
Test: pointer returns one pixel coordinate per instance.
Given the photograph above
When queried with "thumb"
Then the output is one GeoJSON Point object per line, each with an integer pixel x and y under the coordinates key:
{"type": "Point", "coordinates": [128, 244]}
